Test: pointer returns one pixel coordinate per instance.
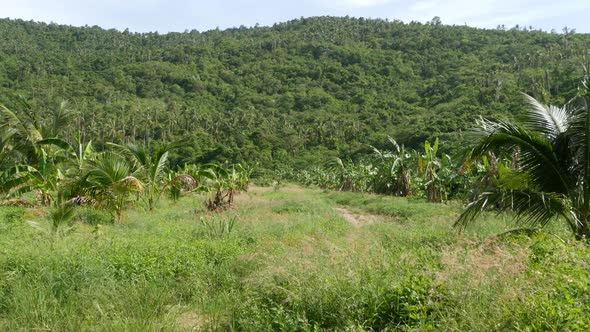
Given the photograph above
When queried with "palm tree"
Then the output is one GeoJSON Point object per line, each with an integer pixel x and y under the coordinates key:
{"type": "Point", "coordinates": [37, 166]}
{"type": "Point", "coordinates": [110, 180]}
{"type": "Point", "coordinates": [60, 219]}
{"type": "Point", "coordinates": [553, 177]}
{"type": "Point", "coordinates": [151, 169]}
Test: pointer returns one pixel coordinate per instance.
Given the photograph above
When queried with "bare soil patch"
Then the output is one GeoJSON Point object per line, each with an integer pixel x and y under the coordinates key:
{"type": "Point", "coordinates": [355, 219]}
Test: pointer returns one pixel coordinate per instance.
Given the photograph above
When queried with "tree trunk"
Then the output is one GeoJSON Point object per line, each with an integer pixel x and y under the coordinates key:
{"type": "Point", "coordinates": [583, 231]}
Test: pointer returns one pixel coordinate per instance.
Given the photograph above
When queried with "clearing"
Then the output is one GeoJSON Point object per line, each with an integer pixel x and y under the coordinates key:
{"type": "Point", "coordinates": [295, 260]}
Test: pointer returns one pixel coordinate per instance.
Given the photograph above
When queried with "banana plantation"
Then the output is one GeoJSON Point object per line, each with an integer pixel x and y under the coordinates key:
{"type": "Point", "coordinates": [399, 171]}
{"type": "Point", "coordinates": [538, 168]}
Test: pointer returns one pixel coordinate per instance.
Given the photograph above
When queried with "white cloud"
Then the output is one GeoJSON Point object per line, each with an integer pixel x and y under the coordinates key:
{"type": "Point", "coordinates": [353, 3]}
{"type": "Point", "coordinates": [490, 13]}
{"type": "Point", "coordinates": [366, 3]}
{"type": "Point", "coordinates": [177, 15]}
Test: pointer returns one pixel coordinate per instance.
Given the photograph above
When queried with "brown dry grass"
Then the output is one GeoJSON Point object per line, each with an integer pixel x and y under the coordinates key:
{"type": "Point", "coordinates": [481, 261]}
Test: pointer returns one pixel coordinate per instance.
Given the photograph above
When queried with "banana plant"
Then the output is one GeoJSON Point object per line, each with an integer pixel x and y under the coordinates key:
{"type": "Point", "coordinates": [244, 173]}
{"type": "Point", "coordinates": [225, 183]}
{"type": "Point", "coordinates": [216, 179]}
{"type": "Point", "coordinates": [428, 166]}
{"type": "Point", "coordinates": [392, 176]}
{"type": "Point", "coordinates": [350, 176]}
{"type": "Point", "coordinates": [76, 154]}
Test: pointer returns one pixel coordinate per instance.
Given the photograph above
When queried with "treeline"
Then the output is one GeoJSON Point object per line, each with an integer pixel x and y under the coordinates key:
{"type": "Point", "coordinates": [426, 173]}
{"type": "Point", "coordinates": [295, 93]}
{"type": "Point", "coordinates": [40, 167]}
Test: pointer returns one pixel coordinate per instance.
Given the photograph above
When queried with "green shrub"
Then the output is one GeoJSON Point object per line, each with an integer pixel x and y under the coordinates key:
{"type": "Point", "coordinates": [215, 226]}
{"type": "Point", "coordinates": [340, 305]}
{"type": "Point", "coordinates": [11, 216]}
{"type": "Point", "coordinates": [410, 304]}
{"type": "Point", "coordinates": [290, 207]}
{"type": "Point", "coordinates": [93, 216]}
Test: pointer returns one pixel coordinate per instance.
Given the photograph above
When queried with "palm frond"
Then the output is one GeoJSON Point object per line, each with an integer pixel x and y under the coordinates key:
{"type": "Point", "coordinates": [549, 120]}
{"type": "Point", "coordinates": [335, 164]}
{"type": "Point", "coordinates": [157, 170]}
{"type": "Point", "coordinates": [531, 208]}
{"type": "Point", "coordinates": [60, 143]}
{"type": "Point", "coordinates": [537, 156]}
{"type": "Point", "coordinates": [394, 143]}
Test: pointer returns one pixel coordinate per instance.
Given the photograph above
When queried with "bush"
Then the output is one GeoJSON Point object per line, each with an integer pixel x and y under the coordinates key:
{"type": "Point", "coordinates": [215, 226]}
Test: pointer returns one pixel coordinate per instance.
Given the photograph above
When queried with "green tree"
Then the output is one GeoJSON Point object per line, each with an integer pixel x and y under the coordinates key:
{"type": "Point", "coordinates": [151, 169]}
{"type": "Point", "coordinates": [393, 176]}
{"type": "Point", "coordinates": [110, 180]}
{"type": "Point", "coordinates": [553, 175]}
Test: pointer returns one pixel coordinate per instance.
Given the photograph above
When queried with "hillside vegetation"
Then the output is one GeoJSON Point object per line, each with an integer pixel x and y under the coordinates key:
{"type": "Point", "coordinates": [288, 94]}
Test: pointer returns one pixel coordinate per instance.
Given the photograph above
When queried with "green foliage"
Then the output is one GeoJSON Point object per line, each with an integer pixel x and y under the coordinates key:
{"type": "Point", "coordinates": [559, 309]}
{"type": "Point", "coordinates": [225, 182]}
{"type": "Point", "coordinates": [553, 175]}
{"type": "Point", "coordinates": [314, 100]}
{"type": "Point", "coordinates": [59, 221]}
{"type": "Point", "coordinates": [94, 216]}
{"type": "Point", "coordinates": [343, 305]}
{"type": "Point", "coordinates": [11, 217]}
{"type": "Point", "coordinates": [110, 180]}
{"type": "Point", "coordinates": [216, 226]}
{"type": "Point", "coordinates": [151, 169]}
{"type": "Point", "coordinates": [290, 207]}
{"type": "Point", "coordinates": [401, 208]}
{"type": "Point", "coordinates": [399, 172]}
{"type": "Point", "coordinates": [298, 92]}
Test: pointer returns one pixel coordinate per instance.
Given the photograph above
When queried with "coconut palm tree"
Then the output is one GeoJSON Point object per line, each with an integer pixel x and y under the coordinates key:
{"type": "Point", "coordinates": [110, 180]}
{"type": "Point", "coordinates": [60, 221]}
{"type": "Point", "coordinates": [553, 175]}
{"type": "Point", "coordinates": [151, 169]}
{"type": "Point", "coordinates": [35, 166]}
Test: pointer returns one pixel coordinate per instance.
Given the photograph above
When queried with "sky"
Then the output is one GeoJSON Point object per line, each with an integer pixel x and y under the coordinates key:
{"type": "Point", "coordinates": [180, 15]}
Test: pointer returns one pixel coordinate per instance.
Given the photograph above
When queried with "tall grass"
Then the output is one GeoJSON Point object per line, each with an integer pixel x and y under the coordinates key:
{"type": "Point", "coordinates": [290, 262]}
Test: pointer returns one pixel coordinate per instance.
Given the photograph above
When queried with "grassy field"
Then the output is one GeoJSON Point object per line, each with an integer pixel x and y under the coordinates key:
{"type": "Point", "coordinates": [290, 259]}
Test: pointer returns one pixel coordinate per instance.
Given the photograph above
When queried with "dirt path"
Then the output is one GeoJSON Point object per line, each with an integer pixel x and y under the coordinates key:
{"type": "Point", "coordinates": [355, 219]}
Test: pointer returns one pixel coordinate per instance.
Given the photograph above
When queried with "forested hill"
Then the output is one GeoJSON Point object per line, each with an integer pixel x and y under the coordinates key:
{"type": "Point", "coordinates": [300, 90]}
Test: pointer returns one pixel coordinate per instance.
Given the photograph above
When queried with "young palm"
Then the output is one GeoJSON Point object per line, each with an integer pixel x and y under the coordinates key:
{"type": "Point", "coordinates": [152, 169]}
{"type": "Point", "coordinates": [110, 180]}
{"type": "Point", "coordinates": [37, 165]}
{"type": "Point", "coordinates": [553, 177]}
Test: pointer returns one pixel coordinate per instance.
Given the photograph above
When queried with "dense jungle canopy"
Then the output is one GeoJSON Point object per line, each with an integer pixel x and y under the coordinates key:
{"type": "Point", "coordinates": [294, 93]}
